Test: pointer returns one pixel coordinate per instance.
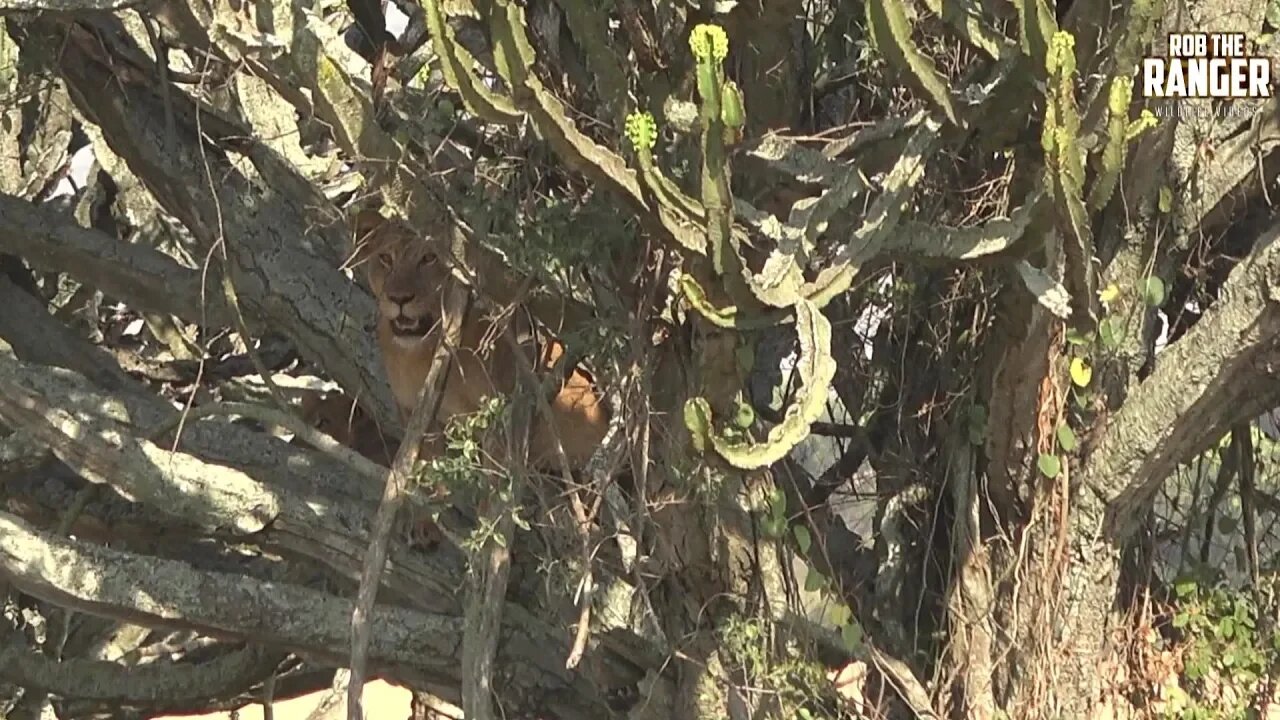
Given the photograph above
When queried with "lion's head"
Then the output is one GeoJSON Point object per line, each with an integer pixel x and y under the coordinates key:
{"type": "Point", "coordinates": [408, 280]}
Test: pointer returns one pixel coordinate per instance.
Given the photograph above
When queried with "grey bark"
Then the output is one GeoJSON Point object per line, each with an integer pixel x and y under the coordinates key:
{"type": "Point", "coordinates": [322, 528]}
{"type": "Point", "coordinates": [282, 280]}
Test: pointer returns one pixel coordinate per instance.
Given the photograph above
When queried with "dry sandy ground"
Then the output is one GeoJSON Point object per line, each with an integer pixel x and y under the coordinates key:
{"type": "Point", "coordinates": [382, 701]}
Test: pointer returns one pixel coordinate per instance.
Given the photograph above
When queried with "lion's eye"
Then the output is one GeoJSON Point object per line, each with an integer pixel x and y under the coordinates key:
{"type": "Point", "coordinates": [426, 260]}
{"type": "Point", "coordinates": [385, 259]}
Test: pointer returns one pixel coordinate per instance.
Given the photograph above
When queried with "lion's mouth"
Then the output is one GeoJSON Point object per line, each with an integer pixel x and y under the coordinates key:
{"type": "Point", "coordinates": [408, 327]}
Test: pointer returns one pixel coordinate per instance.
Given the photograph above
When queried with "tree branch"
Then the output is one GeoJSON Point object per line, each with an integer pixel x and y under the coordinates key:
{"type": "Point", "coordinates": [1222, 371]}
{"type": "Point", "coordinates": [168, 593]}
{"type": "Point", "coordinates": [38, 337]}
{"type": "Point", "coordinates": [147, 279]}
{"type": "Point", "coordinates": [283, 282]}
{"type": "Point", "coordinates": [66, 5]}
{"type": "Point", "coordinates": [395, 492]}
{"type": "Point", "coordinates": [159, 685]}
{"type": "Point", "coordinates": [103, 451]}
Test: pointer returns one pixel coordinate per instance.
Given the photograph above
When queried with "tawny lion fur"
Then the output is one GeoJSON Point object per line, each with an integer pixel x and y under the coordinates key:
{"type": "Point", "coordinates": [409, 283]}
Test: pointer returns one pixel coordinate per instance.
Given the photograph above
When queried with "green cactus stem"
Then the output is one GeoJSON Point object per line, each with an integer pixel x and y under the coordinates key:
{"type": "Point", "coordinates": [710, 46]}
{"type": "Point", "coordinates": [697, 418]}
{"type": "Point", "coordinates": [1139, 27]}
{"type": "Point", "coordinates": [458, 67]}
{"type": "Point", "coordinates": [967, 18]}
{"type": "Point", "coordinates": [994, 237]}
{"type": "Point", "coordinates": [882, 217]}
{"type": "Point", "coordinates": [1036, 25]}
{"type": "Point", "coordinates": [730, 317]}
{"type": "Point", "coordinates": [891, 34]}
{"type": "Point", "coordinates": [1065, 166]}
{"type": "Point", "coordinates": [1146, 120]}
{"type": "Point", "coordinates": [642, 132]}
{"type": "Point", "coordinates": [816, 369]}
{"type": "Point", "coordinates": [732, 112]}
{"type": "Point", "coordinates": [1061, 64]}
{"type": "Point", "coordinates": [550, 118]}
{"type": "Point", "coordinates": [1113, 152]}
{"type": "Point", "coordinates": [590, 28]}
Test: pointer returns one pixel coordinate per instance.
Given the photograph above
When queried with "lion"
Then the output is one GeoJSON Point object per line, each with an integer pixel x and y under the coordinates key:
{"type": "Point", "coordinates": [342, 419]}
{"type": "Point", "coordinates": [409, 284]}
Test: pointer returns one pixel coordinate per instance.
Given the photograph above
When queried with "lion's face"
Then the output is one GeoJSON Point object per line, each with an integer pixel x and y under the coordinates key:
{"type": "Point", "coordinates": [407, 280]}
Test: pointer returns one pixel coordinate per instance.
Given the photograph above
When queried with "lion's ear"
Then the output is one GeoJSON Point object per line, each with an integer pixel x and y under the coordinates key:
{"type": "Point", "coordinates": [364, 225]}
{"type": "Point", "coordinates": [366, 222]}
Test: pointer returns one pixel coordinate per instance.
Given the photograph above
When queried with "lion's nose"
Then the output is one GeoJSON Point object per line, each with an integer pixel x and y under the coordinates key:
{"type": "Point", "coordinates": [400, 298]}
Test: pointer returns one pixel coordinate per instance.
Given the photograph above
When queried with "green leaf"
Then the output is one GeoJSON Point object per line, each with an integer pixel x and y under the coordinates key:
{"type": "Point", "coordinates": [1066, 438]}
{"type": "Point", "coordinates": [1049, 464]}
{"type": "Point", "coordinates": [1196, 668]}
{"type": "Point", "coordinates": [772, 526]}
{"type": "Point", "coordinates": [803, 539]}
{"type": "Point", "coordinates": [778, 504]}
{"type": "Point", "coordinates": [840, 615]}
{"type": "Point", "coordinates": [814, 581]}
{"type": "Point", "coordinates": [1180, 620]}
{"type": "Point", "coordinates": [1185, 588]}
{"type": "Point", "coordinates": [1165, 202]}
{"type": "Point", "coordinates": [851, 635]}
{"type": "Point", "coordinates": [1110, 333]}
{"type": "Point", "coordinates": [1153, 291]}
{"type": "Point", "coordinates": [1075, 337]}
{"type": "Point", "coordinates": [745, 415]}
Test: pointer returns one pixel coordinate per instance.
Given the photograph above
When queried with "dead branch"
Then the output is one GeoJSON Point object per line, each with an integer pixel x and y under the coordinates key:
{"type": "Point", "coordinates": [393, 496]}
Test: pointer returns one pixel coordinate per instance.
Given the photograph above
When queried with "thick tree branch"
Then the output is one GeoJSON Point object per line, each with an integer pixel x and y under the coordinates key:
{"type": "Point", "coordinates": [37, 337]}
{"type": "Point", "coordinates": [317, 512]}
{"type": "Point", "coordinates": [161, 684]}
{"type": "Point", "coordinates": [1224, 370]}
{"type": "Point", "coordinates": [280, 280]}
{"type": "Point", "coordinates": [167, 593]}
{"type": "Point", "coordinates": [147, 279]}
{"type": "Point", "coordinates": [66, 5]}
{"type": "Point", "coordinates": [417, 647]}
{"type": "Point", "coordinates": [322, 514]}
{"type": "Point", "coordinates": [103, 451]}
